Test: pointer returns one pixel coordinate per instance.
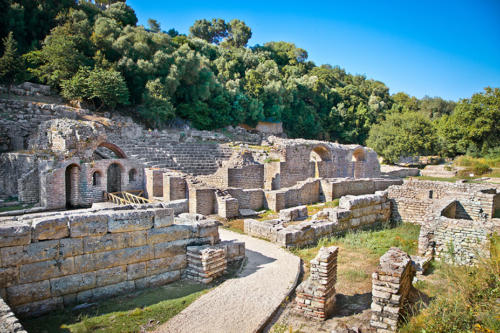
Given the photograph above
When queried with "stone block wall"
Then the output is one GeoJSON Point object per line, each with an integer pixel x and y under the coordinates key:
{"type": "Point", "coordinates": [55, 259]}
{"type": "Point", "coordinates": [306, 192]}
{"type": "Point", "coordinates": [205, 263]}
{"type": "Point", "coordinates": [416, 199]}
{"type": "Point", "coordinates": [316, 296]}
{"type": "Point", "coordinates": [461, 242]}
{"type": "Point", "coordinates": [354, 212]}
{"type": "Point", "coordinates": [12, 167]}
{"type": "Point", "coordinates": [249, 199]}
{"type": "Point", "coordinates": [391, 287]}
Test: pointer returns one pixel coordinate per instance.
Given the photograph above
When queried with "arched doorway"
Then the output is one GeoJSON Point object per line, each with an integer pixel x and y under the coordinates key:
{"type": "Point", "coordinates": [319, 154]}
{"type": "Point", "coordinates": [358, 159]}
{"type": "Point", "coordinates": [71, 176]}
{"type": "Point", "coordinates": [114, 177]}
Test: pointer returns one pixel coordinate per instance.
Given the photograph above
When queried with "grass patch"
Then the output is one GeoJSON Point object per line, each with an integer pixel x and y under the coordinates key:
{"type": "Point", "coordinates": [468, 161]}
{"type": "Point", "coordinates": [136, 312]}
{"type": "Point", "coordinates": [236, 225]}
{"type": "Point", "coordinates": [359, 253]}
{"type": "Point", "coordinates": [16, 207]}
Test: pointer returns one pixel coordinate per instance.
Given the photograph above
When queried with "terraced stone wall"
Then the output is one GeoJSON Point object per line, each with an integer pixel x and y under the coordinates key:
{"type": "Point", "coordinates": [51, 260]}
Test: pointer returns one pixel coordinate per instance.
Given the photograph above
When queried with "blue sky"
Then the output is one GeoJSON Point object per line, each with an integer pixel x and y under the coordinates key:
{"type": "Point", "coordinates": [449, 49]}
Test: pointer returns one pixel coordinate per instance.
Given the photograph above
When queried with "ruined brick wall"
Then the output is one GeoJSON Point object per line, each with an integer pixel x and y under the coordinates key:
{"type": "Point", "coordinates": [249, 198]}
{"type": "Point", "coordinates": [19, 119]}
{"type": "Point", "coordinates": [29, 187]}
{"type": "Point", "coordinates": [53, 181]}
{"type": "Point", "coordinates": [247, 177]}
{"type": "Point", "coordinates": [12, 167]}
{"type": "Point", "coordinates": [56, 259]}
{"type": "Point", "coordinates": [416, 199]}
{"type": "Point", "coordinates": [337, 187]}
{"type": "Point", "coordinates": [201, 200]}
{"type": "Point", "coordinates": [306, 192]}
{"type": "Point", "coordinates": [392, 284]}
{"type": "Point", "coordinates": [174, 187]}
{"type": "Point", "coordinates": [316, 296]}
{"type": "Point", "coordinates": [457, 241]}
{"type": "Point", "coordinates": [154, 182]}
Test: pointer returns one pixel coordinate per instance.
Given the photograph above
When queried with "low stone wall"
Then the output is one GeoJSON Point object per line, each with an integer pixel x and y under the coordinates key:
{"type": "Point", "coordinates": [316, 296]}
{"type": "Point", "coordinates": [8, 321]}
{"type": "Point", "coordinates": [394, 171]}
{"type": "Point", "coordinates": [55, 259]}
{"type": "Point", "coordinates": [305, 192]}
{"type": "Point", "coordinates": [354, 212]}
{"type": "Point", "coordinates": [392, 284]}
{"type": "Point", "coordinates": [461, 242]}
{"type": "Point", "coordinates": [337, 187]}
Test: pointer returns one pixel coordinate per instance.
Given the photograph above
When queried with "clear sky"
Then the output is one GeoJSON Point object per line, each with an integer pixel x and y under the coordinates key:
{"type": "Point", "coordinates": [440, 48]}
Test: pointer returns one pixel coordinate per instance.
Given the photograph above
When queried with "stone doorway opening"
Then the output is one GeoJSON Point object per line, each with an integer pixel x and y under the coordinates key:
{"type": "Point", "coordinates": [319, 154]}
{"type": "Point", "coordinates": [71, 176]}
{"type": "Point", "coordinates": [114, 178]}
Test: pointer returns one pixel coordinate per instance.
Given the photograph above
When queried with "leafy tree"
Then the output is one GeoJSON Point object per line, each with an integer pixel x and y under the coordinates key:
{"type": "Point", "coordinates": [12, 66]}
{"type": "Point", "coordinates": [473, 125]}
{"type": "Point", "coordinates": [154, 25]}
{"type": "Point", "coordinates": [403, 134]}
{"type": "Point", "coordinates": [157, 109]}
{"type": "Point", "coordinates": [212, 32]}
{"type": "Point", "coordinates": [238, 33]}
{"type": "Point", "coordinates": [122, 13]}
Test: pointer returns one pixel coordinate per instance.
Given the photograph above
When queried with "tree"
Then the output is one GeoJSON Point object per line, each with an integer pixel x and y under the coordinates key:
{"type": "Point", "coordinates": [238, 33]}
{"type": "Point", "coordinates": [212, 32]}
{"type": "Point", "coordinates": [402, 135]}
{"type": "Point", "coordinates": [154, 25]}
{"type": "Point", "coordinates": [11, 64]}
{"type": "Point", "coordinates": [473, 125]}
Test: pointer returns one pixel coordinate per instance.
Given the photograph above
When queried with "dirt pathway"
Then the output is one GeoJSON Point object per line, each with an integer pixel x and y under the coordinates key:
{"type": "Point", "coordinates": [242, 304]}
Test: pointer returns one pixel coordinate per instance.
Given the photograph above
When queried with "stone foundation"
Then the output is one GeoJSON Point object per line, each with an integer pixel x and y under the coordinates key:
{"type": "Point", "coordinates": [56, 259]}
{"type": "Point", "coordinates": [205, 263]}
{"type": "Point", "coordinates": [316, 296]}
{"type": "Point", "coordinates": [392, 284]}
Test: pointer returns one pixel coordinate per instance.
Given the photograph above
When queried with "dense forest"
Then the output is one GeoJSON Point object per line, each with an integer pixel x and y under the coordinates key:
{"type": "Point", "coordinates": [97, 54]}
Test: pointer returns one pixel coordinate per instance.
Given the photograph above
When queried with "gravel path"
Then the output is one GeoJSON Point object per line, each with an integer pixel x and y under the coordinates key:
{"type": "Point", "coordinates": [242, 304]}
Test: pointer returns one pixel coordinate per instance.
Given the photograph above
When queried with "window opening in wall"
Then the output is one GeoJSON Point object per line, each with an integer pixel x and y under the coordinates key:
{"type": "Point", "coordinates": [96, 178]}
{"type": "Point", "coordinates": [431, 194]}
{"type": "Point", "coordinates": [132, 174]}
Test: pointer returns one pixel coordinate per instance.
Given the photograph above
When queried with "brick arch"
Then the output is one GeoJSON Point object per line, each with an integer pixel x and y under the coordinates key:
{"type": "Point", "coordinates": [322, 152]}
{"type": "Point", "coordinates": [358, 155]}
{"type": "Point", "coordinates": [114, 148]}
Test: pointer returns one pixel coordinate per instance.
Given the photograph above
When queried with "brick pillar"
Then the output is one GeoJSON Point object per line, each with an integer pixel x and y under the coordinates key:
{"type": "Point", "coordinates": [391, 283]}
{"type": "Point", "coordinates": [205, 263]}
{"type": "Point", "coordinates": [316, 296]}
{"type": "Point", "coordinates": [174, 188]}
{"type": "Point", "coordinates": [74, 181]}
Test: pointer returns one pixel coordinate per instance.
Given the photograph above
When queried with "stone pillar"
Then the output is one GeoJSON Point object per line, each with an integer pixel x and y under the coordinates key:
{"type": "Point", "coordinates": [154, 183]}
{"type": "Point", "coordinates": [316, 296]}
{"type": "Point", "coordinates": [205, 263]}
{"type": "Point", "coordinates": [174, 188]}
{"type": "Point", "coordinates": [74, 178]}
{"type": "Point", "coordinates": [391, 285]}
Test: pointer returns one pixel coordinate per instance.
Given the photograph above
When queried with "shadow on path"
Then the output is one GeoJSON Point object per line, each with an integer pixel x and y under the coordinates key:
{"type": "Point", "coordinates": [255, 262]}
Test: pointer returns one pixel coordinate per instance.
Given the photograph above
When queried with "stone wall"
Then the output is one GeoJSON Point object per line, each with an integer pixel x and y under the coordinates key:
{"type": "Point", "coordinates": [247, 177]}
{"type": "Point", "coordinates": [305, 192]}
{"type": "Point", "coordinates": [19, 120]}
{"type": "Point", "coordinates": [249, 199]}
{"type": "Point", "coordinates": [53, 181]}
{"type": "Point", "coordinates": [55, 259]}
{"type": "Point", "coordinates": [154, 182]}
{"type": "Point", "coordinates": [354, 212]}
{"type": "Point", "coordinates": [201, 200]}
{"type": "Point", "coordinates": [337, 187]}
{"type": "Point", "coordinates": [12, 167]}
{"type": "Point", "coordinates": [391, 287]}
{"type": "Point", "coordinates": [416, 199]}
{"type": "Point", "coordinates": [174, 187]}
{"type": "Point", "coordinates": [457, 241]}
{"type": "Point", "coordinates": [316, 296]}
{"type": "Point", "coordinates": [29, 187]}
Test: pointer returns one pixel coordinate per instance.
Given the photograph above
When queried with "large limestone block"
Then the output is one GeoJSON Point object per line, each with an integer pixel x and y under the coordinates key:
{"type": "Point", "coordinates": [170, 249]}
{"type": "Point", "coordinates": [40, 307]}
{"type": "Point", "coordinates": [111, 275]}
{"type": "Point", "coordinates": [88, 225]}
{"type": "Point", "coordinates": [54, 227]}
{"type": "Point", "coordinates": [293, 214]}
{"type": "Point", "coordinates": [113, 290]}
{"type": "Point", "coordinates": [27, 293]}
{"type": "Point", "coordinates": [130, 221]}
{"type": "Point", "coordinates": [116, 241]}
{"type": "Point", "coordinates": [157, 280]}
{"type": "Point", "coordinates": [136, 271]}
{"type": "Point", "coordinates": [157, 266]}
{"type": "Point", "coordinates": [45, 270]}
{"type": "Point", "coordinates": [168, 234]}
{"type": "Point", "coordinates": [14, 233]}
{"type": "Point", "coordinates": [72, 283]}
{"type": "Point", "coordinates": [101, 260]}
{"type": "Point", "coordinates": [163, 217]}
{"type": "Point", "coordinates": [8, 276]}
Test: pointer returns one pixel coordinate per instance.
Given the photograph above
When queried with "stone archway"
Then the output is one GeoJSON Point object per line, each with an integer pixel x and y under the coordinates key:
{"type": "Point", "coordinates": [358, 159]}
{"type": "Point", "coordinates": [107, 150]}
{"type": "Point", "coordinates": [114, 178]}
{"type": "Point", "coordinates": [319, 154]}
{"type": "Point", "coordinates": [71, 179]}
